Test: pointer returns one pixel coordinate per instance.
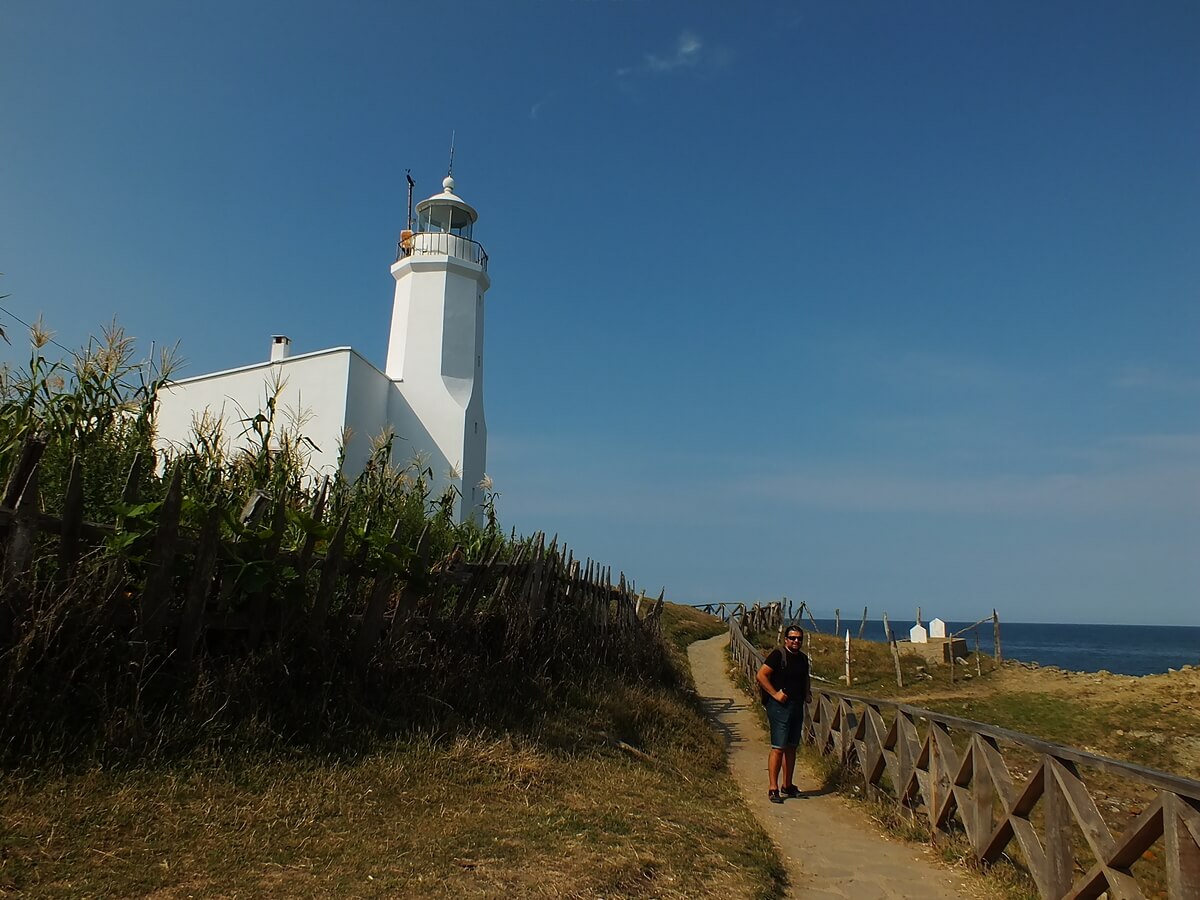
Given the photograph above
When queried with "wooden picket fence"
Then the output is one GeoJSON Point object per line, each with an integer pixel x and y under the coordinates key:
{"type": "Point", "coordinates": [721, 610]}
{"type": "Point", "coordinates": [1010, 792]}
{"type": "Point", "coordinates": [774, 611]}
{"type": "Point", "coordinates": [190, 578]}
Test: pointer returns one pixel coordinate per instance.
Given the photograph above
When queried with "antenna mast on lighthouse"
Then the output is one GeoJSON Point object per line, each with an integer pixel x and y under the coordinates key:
{"type": "Point", "coordinates": [411, 184]}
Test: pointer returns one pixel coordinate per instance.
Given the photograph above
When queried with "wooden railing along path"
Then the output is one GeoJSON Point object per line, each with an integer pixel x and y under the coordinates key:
{"type": "Point", "coordinates": [960, 776]}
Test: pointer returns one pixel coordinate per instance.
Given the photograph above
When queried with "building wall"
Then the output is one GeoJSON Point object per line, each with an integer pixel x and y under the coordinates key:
{"type": "Point", "coordinates": [313, 385]}
{"type": "Point", "coordinates": [368, 398]}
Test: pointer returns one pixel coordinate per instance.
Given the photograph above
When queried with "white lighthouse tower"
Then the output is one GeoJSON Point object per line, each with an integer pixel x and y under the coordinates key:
{"type": "Point", "coordinates": [435, 348]}
{"type": "Point", "coordinates": [430, 395]}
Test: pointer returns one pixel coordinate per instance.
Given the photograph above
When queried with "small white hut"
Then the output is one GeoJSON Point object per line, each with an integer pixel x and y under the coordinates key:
{"type": "Point", "coordinates": [937, 628]}
{"type": "Point", "coordinates": [918, 635]}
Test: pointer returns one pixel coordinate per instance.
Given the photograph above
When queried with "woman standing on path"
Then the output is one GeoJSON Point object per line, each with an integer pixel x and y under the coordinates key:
{"type": "Point", "coordinates": [784, 680]}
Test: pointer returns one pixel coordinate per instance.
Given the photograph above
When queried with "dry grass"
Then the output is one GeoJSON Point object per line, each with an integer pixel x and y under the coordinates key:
{"type": "Point", "coordinates": [619, 791]}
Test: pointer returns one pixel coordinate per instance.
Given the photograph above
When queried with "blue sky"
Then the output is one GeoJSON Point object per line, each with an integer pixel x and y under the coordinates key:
{"type": "Point", "coordinates": [867, 304]}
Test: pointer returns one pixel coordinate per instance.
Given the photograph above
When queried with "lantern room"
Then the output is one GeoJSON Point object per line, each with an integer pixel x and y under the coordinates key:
{"type": "Point", "coordinates": [445, 223]}
{"type": "Point", "coordinates": [446, 213]}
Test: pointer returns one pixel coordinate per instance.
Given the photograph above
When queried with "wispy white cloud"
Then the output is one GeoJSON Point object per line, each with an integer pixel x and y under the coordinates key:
{"type": "Point", "coordinates": [1113, 477]}
{"type": "Point", "coordinates": [689, 52]}
{"type": "Point", "coordinates": [1165, 444]}
{"type": "Point", "coordinates": [1156, 378]}
{"type": "Point", "coordinates": [904, 366]}
{"type": "Point", "coordinates": [1163, 487]}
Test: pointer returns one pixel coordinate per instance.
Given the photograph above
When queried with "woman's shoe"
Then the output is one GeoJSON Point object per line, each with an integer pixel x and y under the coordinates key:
{"type": "Point", "coordinates": [774, 797]}
{"type": "Point", "coordinates": [790, 791]}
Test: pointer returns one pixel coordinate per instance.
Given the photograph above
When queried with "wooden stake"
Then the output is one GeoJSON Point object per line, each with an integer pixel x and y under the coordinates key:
{"type": "Point", "coordinates": [160, 575]}
{"type": "Point", "coordinates": [848, 682]}
{"type": "Point", "coordinates": [863, 626]}
{"type": "Point", "coordinates": [72, 525]}
{"type": "Point", "coordinates": [996, 636]}
{"type": "Point", "coordinates": [191, 624]}
{"type": "Point", "coordinates": [27, 462]}
{"type": "Point", "coordinates": [896, 660]}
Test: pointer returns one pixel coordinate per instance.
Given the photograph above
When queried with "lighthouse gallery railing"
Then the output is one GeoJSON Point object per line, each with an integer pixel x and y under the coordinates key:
{"type": "Point", "coordinates": [437, 243]}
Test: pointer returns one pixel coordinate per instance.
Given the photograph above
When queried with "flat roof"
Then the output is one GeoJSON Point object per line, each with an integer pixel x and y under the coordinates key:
{"type": "Point", "coordinates": [276, 362]}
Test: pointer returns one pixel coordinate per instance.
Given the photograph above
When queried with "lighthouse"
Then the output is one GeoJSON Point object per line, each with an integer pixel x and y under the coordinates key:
{"type": "Point", "coordinates": [429, 394]}
{"type": "Point", "coordinates": [435, 347]}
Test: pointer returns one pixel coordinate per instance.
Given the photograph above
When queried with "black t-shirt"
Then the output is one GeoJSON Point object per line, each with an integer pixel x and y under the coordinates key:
{"type": "Point", "coordinates": [790, 676]}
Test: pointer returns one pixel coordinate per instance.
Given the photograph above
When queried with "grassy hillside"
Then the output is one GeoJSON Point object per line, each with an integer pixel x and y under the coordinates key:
{"type": "Point", "coordinates": [619, 789]}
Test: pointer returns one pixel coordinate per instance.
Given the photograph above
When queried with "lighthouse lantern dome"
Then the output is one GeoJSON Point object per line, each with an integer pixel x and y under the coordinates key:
{"type": "Point", "coordinates": [446, 213]}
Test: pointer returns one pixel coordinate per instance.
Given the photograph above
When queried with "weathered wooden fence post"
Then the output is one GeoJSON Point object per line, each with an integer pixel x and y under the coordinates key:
{"type": "Point", "coordinates": [328, 583]}
{"type": "Point", "coordinates": [371, 627]}
{"type": "Point", "coordinates": [996, 636]}
{"type": "Point", "coordinates": [191, 625]}
{"type": "Point", "coordinates": [22, 535]}
{"type": "Point", "coordinates": [72, 526]}
{"type": "Point", "coordinates": [891, 639]}
{"type": "Point", "coordinates": [414, 583]}
{"type": "Point", "coordinates": [27, 462]}
{"type": "Point", "coordinates": [848, 680]}
{"type": "Point", "coordinates": [270, 557]}
{"type": "Point", "coordinates": [160, 575]}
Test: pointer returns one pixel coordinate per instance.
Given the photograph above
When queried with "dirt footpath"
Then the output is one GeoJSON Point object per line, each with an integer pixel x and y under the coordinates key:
{"type": "Point", "coordinates": [830, 849]}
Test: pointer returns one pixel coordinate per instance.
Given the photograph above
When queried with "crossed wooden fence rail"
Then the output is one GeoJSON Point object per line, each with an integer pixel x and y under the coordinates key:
{"type": "Point", "coordinates": [955, 774]}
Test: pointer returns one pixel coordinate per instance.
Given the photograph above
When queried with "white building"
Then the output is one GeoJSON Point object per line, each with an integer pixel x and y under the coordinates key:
{"type": "Point", "coordinates": [430, 393]}
{"type": "Point", "coordinates": [937, 628]}
{"type": "Point", "coordinates": [918, 635]}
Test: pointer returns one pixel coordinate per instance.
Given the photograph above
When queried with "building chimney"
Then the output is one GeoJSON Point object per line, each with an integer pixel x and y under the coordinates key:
{"type": "Point", "coordinates": [281, 347]}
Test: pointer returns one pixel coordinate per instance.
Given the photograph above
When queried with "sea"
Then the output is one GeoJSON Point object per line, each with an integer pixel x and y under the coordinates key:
{"type": "Point", "coordinates": [1122, 649]}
